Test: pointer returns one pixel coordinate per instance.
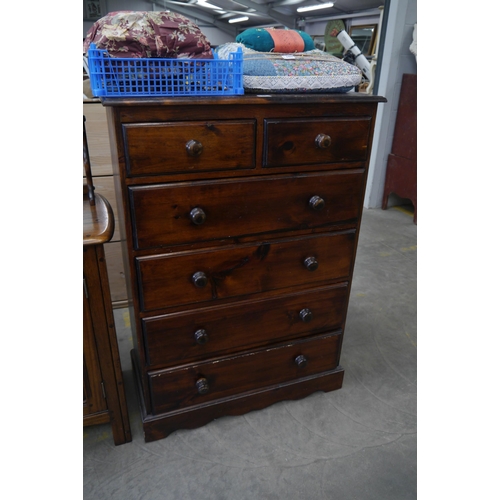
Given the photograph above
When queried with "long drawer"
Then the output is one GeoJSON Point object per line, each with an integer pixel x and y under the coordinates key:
{"type": "Point", "coordinates": [237, 270]}
{"type": "Point", "coordinates": [189, 147]}
{"type": "Point", "coordinates": [201, 333]}
{"type": "Point", "coordinates": [199, 383]}
{"type": "Point", "coordinates": [176, 213]}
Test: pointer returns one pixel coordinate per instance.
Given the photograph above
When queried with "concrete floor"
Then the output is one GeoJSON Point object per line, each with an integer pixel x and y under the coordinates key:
{"type": "Point", "coordinates": [359, 442]}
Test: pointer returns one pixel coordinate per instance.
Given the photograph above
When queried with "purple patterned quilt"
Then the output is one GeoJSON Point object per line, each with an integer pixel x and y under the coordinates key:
{"type": "Point", "coordinates": [148, 34]}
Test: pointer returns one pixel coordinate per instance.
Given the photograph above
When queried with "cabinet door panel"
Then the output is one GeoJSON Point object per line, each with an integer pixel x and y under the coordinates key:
{"type": "Point", "coordinates": [93, 397]}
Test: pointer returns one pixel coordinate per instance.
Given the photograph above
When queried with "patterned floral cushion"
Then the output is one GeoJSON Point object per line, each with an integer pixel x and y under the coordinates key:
{"type": "Point", "coordinates": [148, 34]}
{"type": "Point", "coordinates": [310, 71]}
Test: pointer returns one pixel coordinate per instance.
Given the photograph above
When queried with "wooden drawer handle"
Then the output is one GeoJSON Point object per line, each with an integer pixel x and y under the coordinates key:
{"type": "Point", "coordinates": [323, 141]}
{"type": "Point", "coordinates": [311, 263]}
{"type": "Point", "coordinates": [317, 203]}
{"type": "Point", "coordinates": [201, 336]}
{"type": "Point", "coordinates": [197, 216]}
{"type": "Point", "coordinates": [301, 361]}
{"type": "Point", "coordinates": [306, 315]}
{"type": "Point", "coordinates": [202, 385]}
{"type": "Point", "coordinates": [194, 148]}
{"type": "Point", "coordinates": [200, 279]}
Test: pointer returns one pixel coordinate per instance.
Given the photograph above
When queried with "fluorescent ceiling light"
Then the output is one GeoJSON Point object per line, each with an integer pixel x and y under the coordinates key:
{"type": "Point", "coordinates": [202, 3]}
{"type": "Point", "coordinates": [315, 7]}
{"type": "Point", "coordinates": [246, 6]}
{"type": "Point", "coordinates": [238, 19]}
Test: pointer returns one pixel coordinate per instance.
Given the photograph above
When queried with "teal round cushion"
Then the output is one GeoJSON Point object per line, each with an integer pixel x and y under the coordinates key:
{"type": "Point", "coordinates": [260, 39]}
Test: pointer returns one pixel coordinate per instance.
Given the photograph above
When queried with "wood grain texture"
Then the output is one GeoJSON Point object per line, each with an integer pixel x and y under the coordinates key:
{"type": "Point", "coordinates": [162, 148]}
{"type": "Point", "coordinates": [176, 388]}
{"type": "Point", "coordinates": [242, 207]}
{"type": "Point", "coordinates": [241, 218]}
{"type": "Point", "coordinates": [171, 338]}
{"type": "Point", "coordinates": [116, 274]}
{"type": "Point", "coordinates": [241, 270]}
{"type": "Point", "coordinates": [105, 187]}
{"type": "Point", "coordinates": [98, 221]}
{"type": "Point", "coordinates": [106, 366]}
{"type": "Point", "coordinates": [160, 426]}
{"type": "Point", "coordinates": [294, 142]}
{"type": "Point", "coordinates": [401, 172]}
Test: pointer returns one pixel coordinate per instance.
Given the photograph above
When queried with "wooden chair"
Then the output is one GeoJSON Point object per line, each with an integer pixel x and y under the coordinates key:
{"type": "Point", "coordinates": [103, 390]}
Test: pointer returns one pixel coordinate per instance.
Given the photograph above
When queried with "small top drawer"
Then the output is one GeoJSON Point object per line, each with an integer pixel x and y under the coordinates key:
{"type": "Point", "coordinates": [315, 141]}
{"type": "Point", "coordinates": [189, 147]}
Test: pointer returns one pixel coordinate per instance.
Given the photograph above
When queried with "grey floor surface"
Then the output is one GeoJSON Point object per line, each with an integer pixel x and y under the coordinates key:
{"type": "Point", "coordinates": [359, 442]}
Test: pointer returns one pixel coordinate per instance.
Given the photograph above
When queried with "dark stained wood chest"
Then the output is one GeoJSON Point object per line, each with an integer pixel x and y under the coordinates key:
{"type": "Point", "coordinates": [241, 217]}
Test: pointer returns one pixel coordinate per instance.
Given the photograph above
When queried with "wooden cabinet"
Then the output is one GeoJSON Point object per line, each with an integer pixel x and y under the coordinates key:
{"type": "Point", "coordinates": [241, 217]}
{"type": "Point", "coordinates": [401, 173]}
{"type": "Point", "coordinates": [103, 392]}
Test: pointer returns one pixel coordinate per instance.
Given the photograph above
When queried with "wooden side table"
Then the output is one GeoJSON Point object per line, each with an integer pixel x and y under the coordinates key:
{"type": "Point", "coordinates": [103, 391]}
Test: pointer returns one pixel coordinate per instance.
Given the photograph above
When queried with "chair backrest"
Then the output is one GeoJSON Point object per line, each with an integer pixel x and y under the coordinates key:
{"type": "Point", "coordinates": [88, 189]}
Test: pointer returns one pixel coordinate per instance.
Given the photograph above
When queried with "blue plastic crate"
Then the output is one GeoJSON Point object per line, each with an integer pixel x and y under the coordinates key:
{"type": "Point", "coordinates": [136, 77]}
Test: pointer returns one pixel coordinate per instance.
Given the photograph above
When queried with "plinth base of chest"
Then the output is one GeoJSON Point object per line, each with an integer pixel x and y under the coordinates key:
{"type": "Point", "coordinates": [160, 426]}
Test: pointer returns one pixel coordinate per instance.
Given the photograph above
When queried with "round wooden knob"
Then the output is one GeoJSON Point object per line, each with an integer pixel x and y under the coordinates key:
{"type": "Point", "coordinates": [197, 216]}
{"type": "Point", "coordinates": [194, 148]}
{"type": "Point", "coordinates": [323, 141]}
{"type": "Point", "coordinates": [201, 336]}
{"type": "Point", "coordinates": [306, 315]}
{"type": "Point", "coordinates": [311, 263]}
{"type": "Point", "coordinates": [202, 385]}
{"type": "Point", "coordinates": [317, 203]}
{"type": "Point", "coordinates": [200, 279]}
{"type": "Point", "coordinates": [301, 361]}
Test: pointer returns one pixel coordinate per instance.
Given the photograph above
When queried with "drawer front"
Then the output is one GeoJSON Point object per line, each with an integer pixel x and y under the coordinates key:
{"type": "Point", "coordinates": [189, 147]}
{"type": "Point", "coordinates": [193, 335]}
{"type": "Point", "coordinates": [314, 141]}
{"type": "Point", "coordinates": [199, 383]}
{"type": "Point", "coordinates": [205, 276]}
{"type": "Point", "coordinates": [170, 214]}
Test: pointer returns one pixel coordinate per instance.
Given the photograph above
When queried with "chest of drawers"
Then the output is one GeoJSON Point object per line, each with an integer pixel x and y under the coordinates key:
{"type": "Point", "coordinates": [241, 217]}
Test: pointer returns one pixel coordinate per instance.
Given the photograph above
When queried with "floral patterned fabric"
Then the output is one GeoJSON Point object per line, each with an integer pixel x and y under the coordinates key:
{"type": "Point", "coordinates": [313, 70]}
{"type": "Point", "coordinates": [148, 34]}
